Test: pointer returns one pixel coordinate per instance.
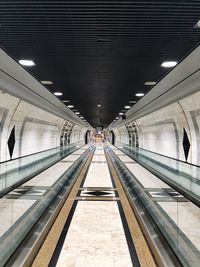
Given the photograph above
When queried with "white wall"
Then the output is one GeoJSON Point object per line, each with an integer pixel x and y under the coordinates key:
{"type": "Point", "coordinates": [162, 131]}
{"type": "Point", "coordinates": [123, 135]}
{"type": "Point", "coordinates": [35, 129]}
{"type": "Point", "coordinates": [191, 108]}
{"type": "Point", "coordinates": [77, 134]}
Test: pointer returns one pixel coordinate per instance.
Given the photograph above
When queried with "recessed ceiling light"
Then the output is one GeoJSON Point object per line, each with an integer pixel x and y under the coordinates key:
{"type": "Point", "coordinates": [121, 113]}
{"type": "Point", "coordinates": [58, 93]}
{"type": "Point", "coordinates": [169, 64]}
{"type": "Point", "coordinates": [27, 62]}
{"type": "Point", "coordinates": [139, 94]}
{"type": "Point", "coordinates": [132, 101]}
{"type": "Point", "coordinates": [98, 105]}
{"type": "Point", "coordinates": [65, 101]}
{"type": "Point", "coordinates": [127, 107]}
{"type": "Point", "coordinates": [117, 118]}
{"type": "Point", "coordinates": [81, 117]}
{"type": "Point", "coordinates": [77, 113]}
{"type": "Point", "coordinates": [197, 25]}
{"type": "Point", "coordinates": [70, 106]}
{"type": "Point", "coordinates": [46, 82]}
{"type": "Point", "coordinates": [150, 83]}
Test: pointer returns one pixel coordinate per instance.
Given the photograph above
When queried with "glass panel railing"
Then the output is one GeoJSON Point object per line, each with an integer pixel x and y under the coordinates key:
{"type": "Point", "coordinates": [18, 170]}
{"type": "Point", "coordinates": [176, 218]}
{"type": "Point", "coordinates": [23, 207]}
{"type": "Point", "coordinates": [182, 175]}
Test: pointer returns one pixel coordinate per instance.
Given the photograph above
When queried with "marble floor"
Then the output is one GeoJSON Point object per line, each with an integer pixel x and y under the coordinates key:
{"type": "Point", "coordinates": [183, 213]}
{"type": "Point", "coordinates": [99, 158]}
{"type": "Point", "coordinates": [96, 235]}
{"type": "Point", "coordinates": [98, 176]}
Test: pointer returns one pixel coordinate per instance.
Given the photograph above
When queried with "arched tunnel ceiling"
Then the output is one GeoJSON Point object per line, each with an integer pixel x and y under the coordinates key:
{"type": "Point", "coordinates": [99, 51]}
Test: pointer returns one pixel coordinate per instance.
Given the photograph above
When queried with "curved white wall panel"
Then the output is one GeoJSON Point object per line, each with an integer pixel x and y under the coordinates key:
{"type": "Point", "coordinates": [191, 109]}
{"type": "Point", "coordinates": [162, 131]}
{"type": "Point", "coordinates": [77, 134]}
{"type": "Point", "coordinates": [123, 135]}
{"type": "Point", "coordinates": [32, 119]}
{"type": "Point", "coordinates": [35, 129]}
{"type": "Point", "coordinates": [168, 117]}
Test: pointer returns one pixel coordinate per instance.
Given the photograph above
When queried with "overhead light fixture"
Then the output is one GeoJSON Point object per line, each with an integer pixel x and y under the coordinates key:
{"type": "Point", "coordinates": [169, 64]}
{"type": "Point", "coordinates": [197, 25]}
{"type": "Point", "coordinates": [149, 83]}
{"type": "Point", "coordinates": [98, 105]}
{"type": "Point", "coordinates": [117, 118]}
{"type": "Point", "coordinates": [127, 107]}
{"type": "Point", "coordinates": [121, 113]}
{"type": "Point", "coordinates": [65, 101]}
{"type": "Point", "coordinates": [70, 106]}
{"type": "Point", "coordinates": [58, 93]}
{"type": "Point", "coordinates": [27, 62]}
{"type": "Point", "coordinates": [139, 94]}
{"type": "Point", "coordinates": [46, 82]}
{"type": "Point", "coordinates": [81, 117]}
{"type": "Point", "coordinates": [132, 101]}
{"type": "Point", "coordinates": [77, 113]}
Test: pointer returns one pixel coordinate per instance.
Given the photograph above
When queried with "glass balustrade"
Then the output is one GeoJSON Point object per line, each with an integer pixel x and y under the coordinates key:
{"type": "Point", "coordinates": [21, 208]}
{"type": "Point", "coordinates": [182, 175]}
{"type": "Point", "coordinates": [177, 218]}
{"type": "Point", "coordinates": [14, 171]}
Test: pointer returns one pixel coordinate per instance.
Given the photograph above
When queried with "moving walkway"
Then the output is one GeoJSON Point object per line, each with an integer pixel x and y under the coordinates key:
{"type": "Point", "coordinates": [96, 205]}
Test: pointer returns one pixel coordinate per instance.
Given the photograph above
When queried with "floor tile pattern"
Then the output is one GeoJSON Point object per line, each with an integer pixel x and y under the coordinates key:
{"type": "Point", "coordinates": [96, 236]}
{"type": "Point", "coordinates": [97, 193]}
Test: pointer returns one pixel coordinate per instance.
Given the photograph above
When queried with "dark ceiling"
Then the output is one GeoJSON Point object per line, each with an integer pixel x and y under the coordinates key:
{"type": "Point", "coordinates": [99, 51]}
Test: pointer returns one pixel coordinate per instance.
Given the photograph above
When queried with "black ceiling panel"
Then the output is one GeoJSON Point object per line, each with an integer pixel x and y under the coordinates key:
{"type": "Point", "coordinates": [99, 51]}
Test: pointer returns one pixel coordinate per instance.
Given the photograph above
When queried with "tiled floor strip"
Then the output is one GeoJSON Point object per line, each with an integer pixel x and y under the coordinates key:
{"type": "Point", "coordinates": [96, 231]}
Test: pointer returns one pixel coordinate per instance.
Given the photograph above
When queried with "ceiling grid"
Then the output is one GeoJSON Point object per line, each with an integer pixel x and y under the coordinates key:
{"type": "Point", "coordinates": [99, 52]}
